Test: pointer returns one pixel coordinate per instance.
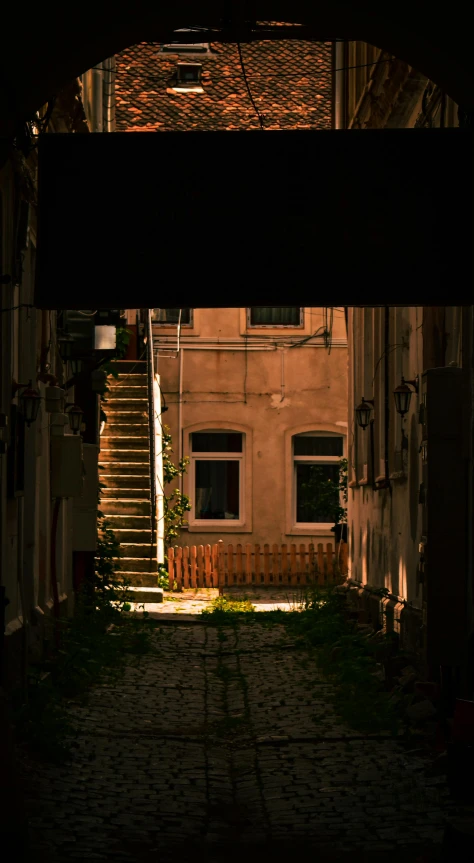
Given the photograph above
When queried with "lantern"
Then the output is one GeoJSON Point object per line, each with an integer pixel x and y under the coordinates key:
{"type": "Point", "coordinates": [75, 413]}
{"type": "Point", "coordinates": [363, 412]}
{"type": "Point", "coordinates": [30, 400]}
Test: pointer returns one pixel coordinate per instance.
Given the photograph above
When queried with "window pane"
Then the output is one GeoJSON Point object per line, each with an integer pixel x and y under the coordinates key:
{"type": "Point", "coordinates": [216, 442]}
{"type": "Point", "coordinates": [317, 495]}
{"type": "Point", "coordinates": [217, 489]}
{"type": "Point", "coordinates": [315, 445]}
{"type": "Point", "coordinates": [171, 316]}
{"type": "Point", "coordinates": [289, 315]}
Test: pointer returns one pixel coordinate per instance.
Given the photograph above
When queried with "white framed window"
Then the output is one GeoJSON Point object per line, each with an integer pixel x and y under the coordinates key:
{"type": "Point", "coordinates": [217, 477]}
{"type": "Point", "coordinates": [177, 47]}
{"type": "Point", "coordinates": [171, 317]}
{"type": "Point", "coordinates": [316, 457]}
{"type": "Point", "coordinates": [275, 316]}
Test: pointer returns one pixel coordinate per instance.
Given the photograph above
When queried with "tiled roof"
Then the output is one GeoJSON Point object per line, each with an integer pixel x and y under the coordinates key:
{"type": "Point", "coordinates": [290, 82]}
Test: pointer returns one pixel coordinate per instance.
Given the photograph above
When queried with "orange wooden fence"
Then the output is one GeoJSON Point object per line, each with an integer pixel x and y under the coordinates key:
{"type": "Point", "coordinates": [223, 565]}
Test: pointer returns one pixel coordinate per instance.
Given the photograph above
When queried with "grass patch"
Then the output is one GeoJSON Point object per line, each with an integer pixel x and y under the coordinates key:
{"type": "Point", "coordinates": [348, 659]}
{"type": "Point", "coordinates": [223, 610]}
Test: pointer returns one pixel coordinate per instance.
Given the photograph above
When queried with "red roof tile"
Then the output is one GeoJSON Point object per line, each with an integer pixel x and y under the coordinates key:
{"type": "Point", "coordinates": [290, 82]}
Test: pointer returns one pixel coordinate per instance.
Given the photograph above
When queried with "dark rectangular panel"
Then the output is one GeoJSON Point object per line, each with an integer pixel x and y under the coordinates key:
{"type": "Point", "coordinates": [198, 219]}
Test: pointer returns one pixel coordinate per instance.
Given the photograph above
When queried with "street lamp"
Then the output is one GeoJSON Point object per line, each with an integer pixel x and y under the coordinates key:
{"type": "Point", "coordinates": [74, 413]}
{"type": "Point", "coordinates": [403, 395]}
{"type": "Point", "coordinates": [363, 412]}
{"type": "Point", "coordinates": [30, 400]}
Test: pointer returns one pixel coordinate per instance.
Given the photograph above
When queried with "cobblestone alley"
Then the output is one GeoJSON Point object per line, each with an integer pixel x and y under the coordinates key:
{"type": "Point", "coordinates": [220, 743]}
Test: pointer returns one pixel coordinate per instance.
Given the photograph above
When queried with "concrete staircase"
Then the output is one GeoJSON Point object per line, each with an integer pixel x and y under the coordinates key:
{"type": "Point", "coordinates": [124, 469]}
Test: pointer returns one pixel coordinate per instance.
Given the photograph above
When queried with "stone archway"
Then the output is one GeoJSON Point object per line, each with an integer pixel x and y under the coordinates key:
{"type": "Point", "coordinates": [44, 48]}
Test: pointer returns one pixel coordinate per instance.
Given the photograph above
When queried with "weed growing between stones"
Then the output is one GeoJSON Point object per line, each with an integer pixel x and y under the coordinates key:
{"type": "Point", "coordinates": [221, 607]}
{"type": "Point", "coordinates": [92, 646]}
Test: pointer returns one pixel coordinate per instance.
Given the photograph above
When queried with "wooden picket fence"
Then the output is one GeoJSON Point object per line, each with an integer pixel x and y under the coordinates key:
{"type": "Point", "coordinates": [222, 565]}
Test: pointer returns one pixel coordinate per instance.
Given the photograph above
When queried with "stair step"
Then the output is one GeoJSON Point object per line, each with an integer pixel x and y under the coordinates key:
{"type": "Point", "coordinates": [146, 594]}
{"type": "Point", "coordinates": [132, 535]}
{"type": "Point", "coordinates": [116, 492]}
{"type": "Point", "coordinates": [116, 468]}
{"type": "Point", "coordinates": [129, 483]}
{"type": "Point", "coordinates": [122, 442]}
{"type": "Point", "coordinates": [123, 391]}
{"type": "Point", "coordinates": [130, 506]}
{"type": "Point", "coordinates": [130, 366]}
{"type": "Point", "coordinates": [126, 405]}
{"type": "Point", "coordinates": [125, 454]}
{"type": "Point", "coordinates": [124, 417]}
{"type": "Point", "coordinates": [133, 377]}
{"type": "Point", "coordinates": [114, 429]}
{"type": "Point", "coordinates": [138, 549]}
{"type": "Point", "coordinates": [129, 522]}
{"type": "Point", "coordinates": [136, 564]}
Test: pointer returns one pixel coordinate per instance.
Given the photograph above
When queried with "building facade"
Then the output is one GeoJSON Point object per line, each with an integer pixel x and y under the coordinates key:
{"type": "Point", "coordinates": [256, 397]}
{"type": "Point", "coordinates": [48, 473]}
{"type": "Point", "coordinates": [409, 473]}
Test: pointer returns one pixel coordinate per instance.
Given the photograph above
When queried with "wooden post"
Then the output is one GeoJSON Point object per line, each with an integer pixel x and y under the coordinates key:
{"type": "Point", "coordinates": [186, 566]}
{"type": "Point", "coordinates": [275, 568]}
{"type": "Point", "coordinates": [200, 566]}
{"type": "Point", "coordinates": [221, 567]}
{"type": "Point", "coordinates": [303, 563]}
{"type": "Point", "coordinates": [214, 566]}
{"type": "Point", "coordinates": [266, 563]}
{"type": "Point", "coordinates": [329, 562]}
{"type": "Point", "coordinates": [344, 558]}
{"type": "Point", "coordinates": [257, 564]}
{"type": "Point", "coordinates": [248, 564]}
{"type": "Point", "coordinates": [178, 561]}
{"type": "Point", "coordinates": [238, 564]}
{"type": "Point", "coordinates": [193, 565]}
{"type": "Point", "coordinates": [207, 566]}
{"type": "Point", "coordinates": [312, 563]}
{"type": "Point", "coordinates": [284, 563]}
{"type": "Point", "coordinates": [321, 579]}
{"type": "Point", "coordinates": [171, 569]}
{"type": "Point", "coordinates": [294, 565]}
{"type": "Point", "coordinates": [230, 564]}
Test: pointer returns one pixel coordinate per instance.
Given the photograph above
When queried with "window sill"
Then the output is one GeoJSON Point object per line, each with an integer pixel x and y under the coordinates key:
{"type": "Point", "coordinates": [224, 526]}
{"type": "Point", "coordinates": [311, 531]}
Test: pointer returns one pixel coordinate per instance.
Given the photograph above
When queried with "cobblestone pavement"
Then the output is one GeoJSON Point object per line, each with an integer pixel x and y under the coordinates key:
{"type": "Point", "coordinates": [222, 739]}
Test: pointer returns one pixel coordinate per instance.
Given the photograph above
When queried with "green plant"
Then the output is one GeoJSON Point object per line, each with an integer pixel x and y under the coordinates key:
{"type": "Point", "coordinates": [321, 494]}
{"type": "Point", "coordinates": [95, 643]}
{"type": "Point", "coordinates": [177, 504]}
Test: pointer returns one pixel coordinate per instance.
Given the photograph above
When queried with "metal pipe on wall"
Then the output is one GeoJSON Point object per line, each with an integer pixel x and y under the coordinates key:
{"type": "Point", "coordinates": [339, 51]}
{"type": "Point", "coordinates": [180, 414]}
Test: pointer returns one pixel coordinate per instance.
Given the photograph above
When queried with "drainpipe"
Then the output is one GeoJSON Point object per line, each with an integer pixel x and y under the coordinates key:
{"type": "Point", "coordinates": [339, 52]}
{"type": "Point", "coordinates": [180, 415]}
{"type": "Point", "coordinates": [386, 387]}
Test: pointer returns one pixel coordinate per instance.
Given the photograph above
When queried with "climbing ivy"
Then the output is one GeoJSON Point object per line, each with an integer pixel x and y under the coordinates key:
{"type": "Point", "coordinates": [176, 504]}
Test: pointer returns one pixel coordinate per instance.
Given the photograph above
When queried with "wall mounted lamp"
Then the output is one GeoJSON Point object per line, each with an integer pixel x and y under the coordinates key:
{"type": "Point", "coordinates": [363, 412]}
{"type": "Point", "coordinates": [403, 394]}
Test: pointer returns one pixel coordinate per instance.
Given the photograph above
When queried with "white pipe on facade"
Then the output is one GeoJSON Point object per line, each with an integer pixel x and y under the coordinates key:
{"type": "Point", "coordinates": [199, 346]}
{"type": "Point", "coordinates": [180, 414]}
{"type": "Point", "coordinates": [160, 510]}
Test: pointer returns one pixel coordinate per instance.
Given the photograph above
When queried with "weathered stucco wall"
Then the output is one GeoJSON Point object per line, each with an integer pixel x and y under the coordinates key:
{"type": "Point", "coordinates": [250, 382]}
